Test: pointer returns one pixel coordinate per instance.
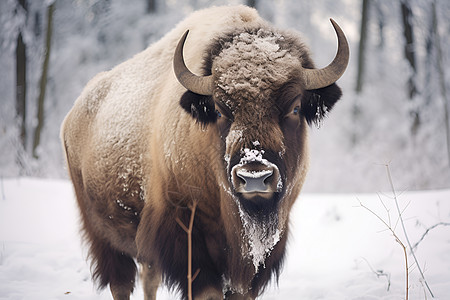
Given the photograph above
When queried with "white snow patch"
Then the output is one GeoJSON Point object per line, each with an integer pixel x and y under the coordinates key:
{"type": "Point", "coordinates": [253, 155]}
{"type": "Point", "coordinates": [234, 136]}
{"type": "Point", "coordinates": [226, 188]}
{"type": "Point", "coordinates": [254, 174]}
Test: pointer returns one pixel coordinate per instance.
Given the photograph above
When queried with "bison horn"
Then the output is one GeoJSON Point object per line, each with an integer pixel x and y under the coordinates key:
{"type": "Point", "coordinates": [202, 85]}
{"type": "Point", "coordinates": [319, 78]}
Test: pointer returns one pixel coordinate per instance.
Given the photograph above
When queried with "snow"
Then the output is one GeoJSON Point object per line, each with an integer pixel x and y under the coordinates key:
{"type": "Point", "coordinates": [253, 155]}
{"type": "Point", "coordinates": [334, 249]}
{"type": "Point", "coordinates": [234, 137]}
{"type": "Point", "coordinates": [254, 174]}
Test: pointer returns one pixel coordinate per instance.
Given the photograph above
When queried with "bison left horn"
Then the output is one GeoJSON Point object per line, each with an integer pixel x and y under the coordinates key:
{"type": "Point", "coordinates": [202, 85]}
{"type": "Point", "coordinates": [320, 78]}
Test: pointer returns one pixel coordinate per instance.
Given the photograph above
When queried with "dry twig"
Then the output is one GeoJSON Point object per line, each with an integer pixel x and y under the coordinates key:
{"type": "Point", "coordinates": [426, 232]}
{"type": "Point", "coordinates": [188, 230]}
{"type": "Point", "coordinates": [404, 230]}
{"type": "Point", "coordinates": [380, 273]}
{"type": "Point", "coordinates": [397, 239]}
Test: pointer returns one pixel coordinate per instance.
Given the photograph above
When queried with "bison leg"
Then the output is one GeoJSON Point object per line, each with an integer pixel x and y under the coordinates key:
{"type": "Point", "coordinates": [112, 267]}
{"type": "Point", "coordinates": [151, 278]}
{"type": "Point", "coordinates": [119, 293]}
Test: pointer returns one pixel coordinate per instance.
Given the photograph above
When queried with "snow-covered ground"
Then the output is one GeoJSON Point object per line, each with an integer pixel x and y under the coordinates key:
{"type": "Point", "coordinates": [336, 246]}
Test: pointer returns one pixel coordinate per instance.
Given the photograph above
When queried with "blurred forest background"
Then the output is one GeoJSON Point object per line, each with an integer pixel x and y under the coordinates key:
{"type": "Point", "coordinates": [395, 107]}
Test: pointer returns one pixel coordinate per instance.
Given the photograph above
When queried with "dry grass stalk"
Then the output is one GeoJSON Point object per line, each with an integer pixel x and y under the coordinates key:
{"type": "Point", "coordinates": [188, 230]}
{"type": "Point", "coordinates": [404, 230]}
{"type": "Point", "coordinates": [397, 239]}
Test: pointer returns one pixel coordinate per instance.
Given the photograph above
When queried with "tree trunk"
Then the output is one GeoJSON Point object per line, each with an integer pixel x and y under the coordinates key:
{"type": "Point", "coordinates": [43, 81]}
{"type": "Point", "coordinates": [151, 6]}
{"type": "Point", "coordinates": [21, 88]}
{"type": "Point", "coordinates": [442, 83]}
{"type": "Point", "coordinates": [362, 46]}
{"type": "Point", "coordinates": [409, 52]}
{"type": "Point", "coordinates": [356, 111]}
{"type": "Point", "coordinates": [381, 22]}
{"type": "Point", "coordinates": [21, 83]}
{"type": "Point", "coordinates": [251, 3]}
{"type": "Point", "coordinates": [429, 66]}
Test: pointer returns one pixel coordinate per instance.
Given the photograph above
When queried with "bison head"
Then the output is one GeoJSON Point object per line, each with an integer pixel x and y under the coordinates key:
{"type": "Point", "coordinates": [261, 91]}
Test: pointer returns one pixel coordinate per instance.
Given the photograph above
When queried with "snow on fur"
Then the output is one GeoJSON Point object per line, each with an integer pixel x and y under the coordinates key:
{"type": "Point", "coordinates": [262, 64]}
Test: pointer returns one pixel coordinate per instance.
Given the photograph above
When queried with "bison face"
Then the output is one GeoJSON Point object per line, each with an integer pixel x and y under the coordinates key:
{"type": "Point", "coordinates": [265, 142]}
{"type": "Point", "coordinates": [256, 153]}
{"type": "Point", "coordinates": [263, 137]}
{"type": "Point", "coordinates": [261, 92]}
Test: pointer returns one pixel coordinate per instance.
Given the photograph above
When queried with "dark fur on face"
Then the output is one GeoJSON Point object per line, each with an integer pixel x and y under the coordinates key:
{"type": "Point", "coordinates": [316, 104]}
{"type": "Point", "coordinates": [200, 107]}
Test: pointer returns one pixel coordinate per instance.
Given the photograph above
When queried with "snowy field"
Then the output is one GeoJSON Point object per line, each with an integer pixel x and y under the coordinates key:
{"type": "Point", "coordinates": [336, 247]}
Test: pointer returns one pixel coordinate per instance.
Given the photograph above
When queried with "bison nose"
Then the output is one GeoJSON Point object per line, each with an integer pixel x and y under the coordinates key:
{"type": "Point", "coordinates": [254, 181]}
{"type": "Point", "coordinates": [256, 178]}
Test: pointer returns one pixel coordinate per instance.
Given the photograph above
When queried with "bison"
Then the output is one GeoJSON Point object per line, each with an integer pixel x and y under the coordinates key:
{"type": "Point", "coordinates": [149, 138]}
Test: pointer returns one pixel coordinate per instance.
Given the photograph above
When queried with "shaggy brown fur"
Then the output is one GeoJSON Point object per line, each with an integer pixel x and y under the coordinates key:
{"type": "Point", "coordinates": [140, 149]}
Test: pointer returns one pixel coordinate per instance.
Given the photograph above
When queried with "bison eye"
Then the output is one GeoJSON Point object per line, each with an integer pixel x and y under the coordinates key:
{"type": "Point", "coordinates": [296, 110]}
{"type": "Point", "coordinates": [218, 113]}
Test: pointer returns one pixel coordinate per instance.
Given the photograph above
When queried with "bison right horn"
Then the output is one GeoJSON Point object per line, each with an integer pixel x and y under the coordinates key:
{"type": "Point", "coordinates": [320, 78]}
{"type": "Point", "coordinates": [202, 85]}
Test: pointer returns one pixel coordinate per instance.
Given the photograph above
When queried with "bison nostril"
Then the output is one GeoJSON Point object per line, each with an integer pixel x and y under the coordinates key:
{"type": "Point", "coordinates": [241, 180]}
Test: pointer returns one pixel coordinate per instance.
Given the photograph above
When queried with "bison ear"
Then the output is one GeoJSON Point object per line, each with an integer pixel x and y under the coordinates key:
{"type": "Point", "coordinates": [316, 104]}
{"type": "Point", "coordinates": [200, 107]}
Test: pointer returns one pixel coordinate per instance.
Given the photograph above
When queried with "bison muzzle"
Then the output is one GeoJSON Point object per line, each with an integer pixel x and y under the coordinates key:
{"type": "Point", "coordinates": [150, 137]}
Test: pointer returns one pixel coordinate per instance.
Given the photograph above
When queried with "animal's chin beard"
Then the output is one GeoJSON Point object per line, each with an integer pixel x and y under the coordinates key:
{"type": "Point", "coordinates": [258, 207]}
{"type": "Point", "coordinates": [260, 224]}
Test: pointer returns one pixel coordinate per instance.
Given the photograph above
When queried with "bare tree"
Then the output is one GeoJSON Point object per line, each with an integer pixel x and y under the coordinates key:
{"type": "Point", "coordinates": [442, 84]}
{"type": "Point", "coordinates": [362, 46]}
{"type": "Point", "coordinates": [356, 112]}
{"type": "Point", "coordinates": [43, 81]}
{"type": "Point", "coordinates": [251, 3]}
{"type": "Point", "coordinates": [151, 6]}
{"type": "Point", "coordinates": [381, 18]}
{"type": "Point", "coordinates": [21, 79]}
{"type": "Point", "coordinates": [409, 52]}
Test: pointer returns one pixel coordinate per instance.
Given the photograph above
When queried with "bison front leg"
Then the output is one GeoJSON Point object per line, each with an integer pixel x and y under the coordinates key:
{"type": "Point", "coordinates": [151, 278]}
{"type": "Point", "coordinates": [120, 270]}
{"type": "Point", "coordinates": [119, 292]}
